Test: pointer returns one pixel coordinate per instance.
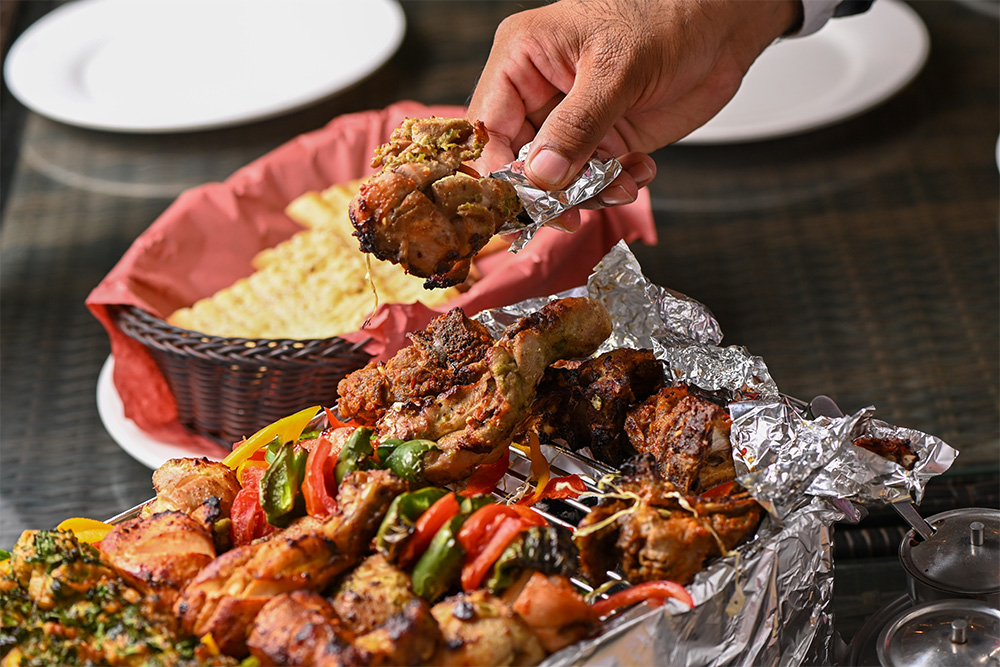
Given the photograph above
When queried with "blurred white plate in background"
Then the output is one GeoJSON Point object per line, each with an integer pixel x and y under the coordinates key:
{"type": "Point", "coordinates": [851, 65]}
{"type": "Point", "coordinates": [180, 65]}
{"type": "Point", "coordinates": [147, 449]}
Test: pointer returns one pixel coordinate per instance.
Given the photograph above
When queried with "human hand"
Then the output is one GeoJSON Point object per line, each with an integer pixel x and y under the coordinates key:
{"type": "Point", "coordinates": [623, 77]}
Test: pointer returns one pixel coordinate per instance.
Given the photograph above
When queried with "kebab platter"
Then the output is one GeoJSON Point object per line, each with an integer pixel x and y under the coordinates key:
{"type": "Point", "coordinates": [579, 479]}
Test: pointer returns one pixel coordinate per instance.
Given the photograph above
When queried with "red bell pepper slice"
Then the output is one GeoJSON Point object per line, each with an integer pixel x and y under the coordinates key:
{"type": "Point", "coordinates": [719, 490]}
{"type": "Point", "coordinates": [569, 486]}
{"type": "Point", "coordinates": [486, 477]}
{"type": "Point", "coordinates": [486, 534]}
{"type": "Point", "coordinates": [319, 486]}
{"type": "Point", "coordinates": [652, 592]}
{"type": "Point", "coordinates": [427, 526]}
{"type": "Point", "coordinates": [247, 518]}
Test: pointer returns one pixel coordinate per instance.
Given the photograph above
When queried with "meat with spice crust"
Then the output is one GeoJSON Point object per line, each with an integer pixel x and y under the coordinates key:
{"type": "Point", "coordinates": [473, 419]}
{"type": "Point", "coordinates": [226, 596]}
{"type": "Point", "coordinates": [688, 435]}
{"type": "Point", "coordinates": [420, 211]}
{"type": "Point", "coordinates": [584, 403]}
{"type": "Point", "coordinates": [661, 533]}
{"type": "Point", "coordinates": [450, 351]}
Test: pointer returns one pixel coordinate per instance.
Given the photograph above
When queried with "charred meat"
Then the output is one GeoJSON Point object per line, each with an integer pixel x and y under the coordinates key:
{"type": "Point", "coordinates": [420, 211]}
{"type": "Point", "coordinates": [473, 420]}
{"type": "Point", "coordinates": [450, 352]}
{"type": "Point", "coordinates": [659, 532]}
{"type": "Point", "coordinates": [688, 435]}
{"type": "Point", "coordinates": [584, 403]}
{"type": "Point", "coordinates": [227, 595]}
{"type": "Point", "coordinates": [480, 629]}
{"type": "Point", "coordinates": [897, 450]}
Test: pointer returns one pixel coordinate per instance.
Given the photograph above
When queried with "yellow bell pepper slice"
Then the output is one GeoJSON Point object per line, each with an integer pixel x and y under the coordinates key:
{"type": "Point", "coordinates": [287, 429]}
{"type": "Point", "coordinates": [86, 530]}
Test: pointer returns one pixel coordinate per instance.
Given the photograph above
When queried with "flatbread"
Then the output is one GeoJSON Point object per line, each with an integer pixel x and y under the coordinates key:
{"type": "Point", "coordinates": [313, 285]}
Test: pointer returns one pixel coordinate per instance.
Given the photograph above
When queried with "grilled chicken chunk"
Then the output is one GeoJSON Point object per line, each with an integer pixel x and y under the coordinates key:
{"type": "Point", "coordinates": [202, 489]}
{"type": "Point", "coordinates": [164, 551]}
{"type": "Point", "coordinates": [688, 435]}
{"type": "Point", "coordinates": [480, 629]}
{"type": "Point", "coordinates": [422, 213]}
{"type": "Point", "coordinates": [299, 628]}
{"type": "Point", "coordinates": [450, 351]}
{"type": "Point", "coordinates": [584, 403]}
{"type": "Point", "coordinates": [374, 619]}
{"type": "Point", "coordinates": [226, 596]}
{"type": "Point", "coordinates": [473, 420]}
{"type": "Point", "coordinates": [660, 538]}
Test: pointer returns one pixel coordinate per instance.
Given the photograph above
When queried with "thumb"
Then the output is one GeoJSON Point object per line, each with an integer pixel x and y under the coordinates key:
{"type": "Point", "coordinates": [569, 136]}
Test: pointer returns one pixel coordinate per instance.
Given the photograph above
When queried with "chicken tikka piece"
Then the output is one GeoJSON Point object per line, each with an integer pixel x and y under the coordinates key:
{"type": "Point", "coordinates": [660, 532]}
{"type": "Point", "coordinates": [468, 396]}
{"type": "Point", "coordinates": [423, 210]}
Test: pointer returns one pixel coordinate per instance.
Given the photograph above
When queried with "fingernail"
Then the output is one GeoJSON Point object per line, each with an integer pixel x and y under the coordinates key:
{"type": "Point", "coordinates": [642, 174]}
{"type": "Point", "coordinates": [548, 167]}
{"type": "Point", "coordinates": [615, 196]}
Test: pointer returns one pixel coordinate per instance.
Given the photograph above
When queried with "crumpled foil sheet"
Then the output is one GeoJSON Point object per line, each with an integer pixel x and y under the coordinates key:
{"type": "Point", "coordinates": [769, 604]}
{"type": "Point", "coordinates": [543, 206]}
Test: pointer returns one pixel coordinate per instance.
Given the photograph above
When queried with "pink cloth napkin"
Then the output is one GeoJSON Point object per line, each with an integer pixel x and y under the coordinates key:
{"type": "Point", "coordinates": [205, 240]}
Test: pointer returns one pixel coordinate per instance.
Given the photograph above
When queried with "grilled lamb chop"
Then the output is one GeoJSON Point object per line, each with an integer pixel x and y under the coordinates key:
{"type": "Point", "coordinates": [473, 419]}
{"type": "Point", "coordinates": [688, 435]}
{"type": "Point", "coordinates": [659, 538]}
{"type": "Point", "coordinates": [584, 403]}
{"type": "Point", "coordinates": [422, 213]}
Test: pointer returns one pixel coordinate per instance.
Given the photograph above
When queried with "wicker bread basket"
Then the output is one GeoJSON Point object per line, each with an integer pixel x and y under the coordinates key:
{"type": "Point", "coordinates": [229, 388]}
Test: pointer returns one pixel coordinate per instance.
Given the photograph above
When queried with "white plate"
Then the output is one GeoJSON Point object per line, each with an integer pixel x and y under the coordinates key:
{"type": "Point", "coordinates": [180, 65]}
{"type": "Point", "coordinates": [150, 451]}
{"type": "Point", "coordinates": [851, 65]}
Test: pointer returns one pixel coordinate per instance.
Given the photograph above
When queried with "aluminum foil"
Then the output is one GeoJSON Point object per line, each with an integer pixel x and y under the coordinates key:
{"type": "Point", "coordinates": [543, 206]}
{"type": "Point", "coordinates": [769, 603]}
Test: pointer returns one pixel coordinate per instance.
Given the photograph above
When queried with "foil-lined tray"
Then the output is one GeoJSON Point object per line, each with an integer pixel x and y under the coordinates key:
{"type": "Point", "coordinates": [768, 604]}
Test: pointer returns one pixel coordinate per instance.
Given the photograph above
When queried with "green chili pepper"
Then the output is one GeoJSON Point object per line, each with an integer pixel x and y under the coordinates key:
{"type": "Point", "coordinates": [401, 518]}
{"type": "Point", "coordinates": [4, 555]}
{"type": "Point", "coordinates": [356, 449]}
{"type": "Point", "coordinates": [543, 549]}
{"type": "Point", "coordinates": [406, 460]}
{"type": "Point", "coordinates": [440, 567]}
{"type": "Point", "coordinates": [281, 486]}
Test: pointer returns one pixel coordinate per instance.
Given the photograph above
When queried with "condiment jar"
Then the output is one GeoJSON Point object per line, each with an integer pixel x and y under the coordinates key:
{"type": "Point", "coordinates": [943, 633]}
{"type": "Point", "coordinates": [961, 559]}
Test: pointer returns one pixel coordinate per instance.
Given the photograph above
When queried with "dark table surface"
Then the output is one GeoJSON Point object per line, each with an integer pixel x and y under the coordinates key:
{"type": "Point", "coordinates": [860, 261]}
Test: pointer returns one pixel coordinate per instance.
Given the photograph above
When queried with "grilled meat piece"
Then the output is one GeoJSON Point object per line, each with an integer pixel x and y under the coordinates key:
{"type": "Point", "coordinates": [688, 435]}
{"type": "Point", "coordinates": [553, 609]}
{"type": "Point", "coordinates": [185, 484]}
{"type": "Point", "coordinates": [227, 595]}
{"type": "Point", "coordinates": [658, 537]}
{"type": "Point", "coordinates": [299, 628]}
{"type": "Point", "coordinates": [897, 450]}
{"type": "Point", "coordinates": [164, 551]}
{"type": "Point", "coordinates": [420, 212]}
{"type": "Point", "coordinates": [394, 625]}
{"type": "Point", "coordinates": [473, 420]}
{"type": "Point", "coordinates": [584, 403]}
{"type": "Point", "coordinates": [374, 619]}
{"type": "Point", "coordinates": [450, 351]}
{"type": "Point", "coordinates": [480, 629]}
